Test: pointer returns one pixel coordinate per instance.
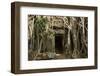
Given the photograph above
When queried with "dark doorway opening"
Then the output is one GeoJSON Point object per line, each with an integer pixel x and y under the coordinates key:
{"type": "Point", "coordinates": [59, 43]}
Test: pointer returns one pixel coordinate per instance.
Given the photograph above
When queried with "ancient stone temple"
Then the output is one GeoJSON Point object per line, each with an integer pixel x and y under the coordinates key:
{"type": "Point", "coordinates": [58, 27]}
{"type": "Point", "coordinates": [53, 35]}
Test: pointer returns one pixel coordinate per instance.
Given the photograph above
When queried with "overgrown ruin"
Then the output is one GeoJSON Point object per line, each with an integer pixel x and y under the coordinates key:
{"type": "Point", "coordinates": [57, 37]}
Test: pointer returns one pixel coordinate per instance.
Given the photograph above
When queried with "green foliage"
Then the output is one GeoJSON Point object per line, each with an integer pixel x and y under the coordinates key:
{"type": "Point", "coordinates": [40, 24]}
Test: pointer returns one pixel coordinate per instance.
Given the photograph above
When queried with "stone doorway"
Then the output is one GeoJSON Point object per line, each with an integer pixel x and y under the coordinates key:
{"type": "Point", "coordinates": [59, 43]}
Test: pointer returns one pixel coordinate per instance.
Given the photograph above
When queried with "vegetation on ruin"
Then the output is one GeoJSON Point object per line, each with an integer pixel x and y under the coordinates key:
{"type": "Point", "coordinates": [43, 31]}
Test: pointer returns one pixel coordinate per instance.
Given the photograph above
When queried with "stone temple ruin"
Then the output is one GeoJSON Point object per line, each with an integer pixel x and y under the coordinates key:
{"type": "Point", "coordinates": [59, 40]}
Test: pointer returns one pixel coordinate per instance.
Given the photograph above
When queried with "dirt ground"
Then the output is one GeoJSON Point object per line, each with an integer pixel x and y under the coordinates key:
{"type": "Point", "coordinates": [44, 56]}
